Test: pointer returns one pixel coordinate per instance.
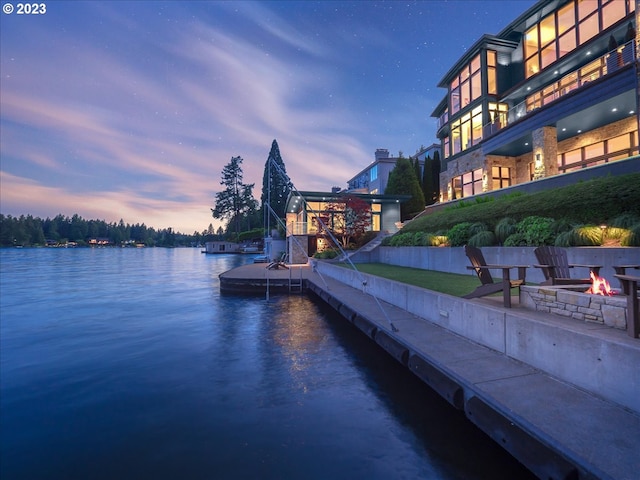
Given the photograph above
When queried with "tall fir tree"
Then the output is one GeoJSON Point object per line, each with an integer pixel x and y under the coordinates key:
{"type": "Point", "coordinates": [275, 183]}
{"type": "Point", "coordinates": [416, 167]}
{"type": "Point", "coordinates": [427, 181]}
{"type": "Point", "coordinates": [403, 181]}
{"type": "Point", "coordinates": [435, 171]}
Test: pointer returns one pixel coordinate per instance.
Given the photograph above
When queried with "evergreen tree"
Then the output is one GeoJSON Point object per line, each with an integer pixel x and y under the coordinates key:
{"type": "Point", "coordinates": [403, 181]}
{"type": "Point", "coordinates": [236, 199]}
{"type": "Point", "coordinates": [274, 182]}
{"type": "Point", "coordinates": [427, 181]}
{"type": "Point", "coordinates": [435, 171]}
{"type": "Point", "coordinates": [416, 167]}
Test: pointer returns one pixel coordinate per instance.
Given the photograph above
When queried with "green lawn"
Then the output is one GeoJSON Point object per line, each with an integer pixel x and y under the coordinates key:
{"type": "Point", "coordinates": [449, 283]}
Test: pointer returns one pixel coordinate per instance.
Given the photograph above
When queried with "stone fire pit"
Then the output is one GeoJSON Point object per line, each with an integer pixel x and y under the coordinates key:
{"type": "Point", "coordinates": [571, 301]}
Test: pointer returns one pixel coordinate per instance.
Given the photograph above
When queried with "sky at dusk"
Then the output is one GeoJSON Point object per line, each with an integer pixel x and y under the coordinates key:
{"type": "Point", "coordinates": [130, 110]}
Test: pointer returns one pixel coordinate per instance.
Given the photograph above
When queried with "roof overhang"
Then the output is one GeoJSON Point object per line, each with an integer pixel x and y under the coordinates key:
{"type": "Point", "coordinates": [297, 199]}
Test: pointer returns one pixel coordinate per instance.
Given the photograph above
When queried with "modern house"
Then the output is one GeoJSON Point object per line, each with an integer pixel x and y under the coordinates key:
{"type": "Point", "coordinates": [373, 179]}
{"type": "Point", "coordinates": [555, 92]}
{"type": "Point", "coordinates": [310, 212]}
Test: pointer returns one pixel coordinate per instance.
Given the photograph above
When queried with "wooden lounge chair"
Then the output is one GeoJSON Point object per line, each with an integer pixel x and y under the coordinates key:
{"type": "Point", "coordinates": [488, 286]}
{"type": "Point", "coordinates": [631, 283]}
{"type": "Point", "coordinates": [555, 267]}
{"type": "Point", "coordinates": [275, 265]}
{"type": "Point", "coordinates": [622, 270]}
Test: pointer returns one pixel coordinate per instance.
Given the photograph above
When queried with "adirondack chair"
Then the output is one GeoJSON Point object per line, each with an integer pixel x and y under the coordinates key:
{"type": "Point", "coordinates": [275, 265]}
{"type": "Point", "coordinates": [489, 286]}
{"type": "Point", "coordinates": [555, 267]}
{"type": "Point", "coordinates": [631, 284]}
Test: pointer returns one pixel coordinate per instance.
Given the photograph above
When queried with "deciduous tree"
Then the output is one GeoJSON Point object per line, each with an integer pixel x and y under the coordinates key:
{"type": "Point", "coordinates": [350, 218]}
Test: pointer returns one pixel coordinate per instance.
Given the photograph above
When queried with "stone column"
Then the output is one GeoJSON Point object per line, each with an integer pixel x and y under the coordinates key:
{"type": "Point", "coordinates": [545, 152]}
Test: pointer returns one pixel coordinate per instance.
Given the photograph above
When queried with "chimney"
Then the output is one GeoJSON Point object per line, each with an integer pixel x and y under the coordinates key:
{"type": "Point", "coordinates": [382, 153]}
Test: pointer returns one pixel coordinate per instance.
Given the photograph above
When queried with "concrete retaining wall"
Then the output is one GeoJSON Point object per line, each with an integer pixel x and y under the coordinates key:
{"type": "Point", "coordinates": [453, 259]}
{"type": "Point", "coordinates": [605, 364]}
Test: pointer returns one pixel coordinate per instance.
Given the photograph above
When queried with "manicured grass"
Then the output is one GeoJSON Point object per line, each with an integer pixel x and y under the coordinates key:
{"type": "Point", "coordinates": [449, 283]}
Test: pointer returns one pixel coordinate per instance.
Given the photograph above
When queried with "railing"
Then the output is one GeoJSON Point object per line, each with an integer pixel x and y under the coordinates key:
{"type": "Point", "coordinates": [297, 228]}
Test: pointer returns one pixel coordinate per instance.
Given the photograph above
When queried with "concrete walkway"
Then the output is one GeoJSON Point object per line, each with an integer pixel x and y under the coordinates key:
{"type": "Point", "coordinates": [554, 428]}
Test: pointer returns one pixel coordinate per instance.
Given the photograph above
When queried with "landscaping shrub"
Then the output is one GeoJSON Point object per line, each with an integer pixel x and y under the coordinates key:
{"type": "Point", "coordinates": [561, 225]}
{"type": "Point", "coordinates": [504, 228]}
{"type": "Point", "coordinates": [459, 235]}
{"type": "Point", "coordinates": [403, 239]}
{"type": "Point", "coordinates": [422, 239]}
{"type": "Point", "coordinates": [615, 233]}
{"type": "Point", "coordinates": [515, 240]}
{"type": "Point", "coordinates": [439, 240]}
{"type": "Point", "coordinates": [586, 236]}
{"type": "Point", "coordinates": [626, 220]}
{"type": "Point", "coordinates": [564, 239]}
{"type": "Point", "coordinates": [536, 230]}
{"type": "Point", "coordinates": [485, 238]}
{"type": "Point", "coordinates": [326, 254]}
{"type": "Point", "coordinates": [632, 239]}
{"type": "Point", "coordinates": [477, 228]}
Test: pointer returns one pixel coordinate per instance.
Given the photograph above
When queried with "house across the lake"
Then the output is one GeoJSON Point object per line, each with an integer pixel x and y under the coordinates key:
{"type": "Point", "coordinates": [221, 247]}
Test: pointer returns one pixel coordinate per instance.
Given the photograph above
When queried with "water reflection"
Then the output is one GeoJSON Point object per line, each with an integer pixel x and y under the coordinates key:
{"type": "Point", "coordinates": [130, 364]}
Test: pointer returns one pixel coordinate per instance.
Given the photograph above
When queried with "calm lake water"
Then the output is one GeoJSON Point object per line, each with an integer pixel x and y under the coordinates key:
{"type": "Point", "coordinates": [129, 364]}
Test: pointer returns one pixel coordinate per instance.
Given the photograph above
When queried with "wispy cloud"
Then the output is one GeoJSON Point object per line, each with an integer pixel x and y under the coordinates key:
{"type": "Point", "coordinates": [131, 109]}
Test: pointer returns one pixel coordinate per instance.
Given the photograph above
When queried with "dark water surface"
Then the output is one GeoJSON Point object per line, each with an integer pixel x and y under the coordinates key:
{"type": "Point", "coordinates": [128, 363]}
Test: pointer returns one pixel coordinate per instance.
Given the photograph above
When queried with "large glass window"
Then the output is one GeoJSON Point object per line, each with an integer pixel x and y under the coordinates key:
{"type": "Point", "coordinates": [616, 148]}
{"type": "Point", "coordinates": [566, 19]}
{"type": "Point", "coordinates": [376, 210]}
{"type": "Point", "coordinates": [492, 63]}
{"type": "Point", "coordinates": [455, 96]}
{"type": "Point", "coordinates": [467, 86]}
{"type": "Point", "coordinates": [588, 28]}
{"type": "Point", "coordinates": [612, 11]}
{"type": "Point", "coordinates": [498, 113]}
{"type": "Point", "coordinates": [467, 184]}
{"type": "Point", "coordinates": [617, 144]}
{"type": "Point", "coordinates": [467, 130]}
{"type": "Point", "coordinates": [557, 35]}
{"type": "Point", "coordinates": [476, 125]}
{"type": "Point", "coordinates": [456, 139]}
{"type": "Point", "coordinates": [373, 173]}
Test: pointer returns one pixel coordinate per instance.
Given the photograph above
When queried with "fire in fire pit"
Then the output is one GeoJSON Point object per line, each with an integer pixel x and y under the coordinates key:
{"type": "Point", "coordinates": [600, 286]}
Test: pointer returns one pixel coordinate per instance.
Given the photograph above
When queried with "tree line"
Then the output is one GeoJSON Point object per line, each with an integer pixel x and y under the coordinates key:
{"type": "Point", "coordinates": [245, 217]}
{"type": "Point", "coordinates": [27, 230]}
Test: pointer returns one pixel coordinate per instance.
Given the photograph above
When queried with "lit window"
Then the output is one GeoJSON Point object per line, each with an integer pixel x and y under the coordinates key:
{"type": "Point", "coordinates": [491, 72]}
{"type": "Point", "coordinates": [501, 177]}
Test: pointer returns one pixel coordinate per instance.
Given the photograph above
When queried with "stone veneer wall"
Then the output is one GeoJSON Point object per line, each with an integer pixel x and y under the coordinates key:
{"type": "Point", "coordinates": [609, 311]}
